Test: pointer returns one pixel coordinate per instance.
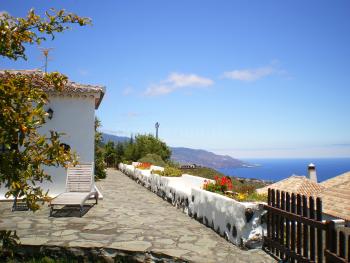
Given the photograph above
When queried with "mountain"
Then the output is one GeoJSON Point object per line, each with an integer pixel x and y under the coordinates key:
{"type": "Point", "coordinates": [114, 138]}
{"type": "Point", "coordinates": [184, 155]}
{"type": "Point", "coordinates": [204, 158]}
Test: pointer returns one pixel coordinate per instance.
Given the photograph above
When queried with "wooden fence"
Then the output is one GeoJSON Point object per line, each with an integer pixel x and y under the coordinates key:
{"type": "Point", "coordinates": [296, 232]}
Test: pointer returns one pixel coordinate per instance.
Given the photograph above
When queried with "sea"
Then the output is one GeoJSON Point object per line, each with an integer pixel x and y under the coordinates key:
{"type": "Point", "coordinates": [278, 169]}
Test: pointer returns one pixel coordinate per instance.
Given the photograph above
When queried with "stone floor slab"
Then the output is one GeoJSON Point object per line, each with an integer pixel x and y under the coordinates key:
{"type": "Point", "coordinates": [132, 218]}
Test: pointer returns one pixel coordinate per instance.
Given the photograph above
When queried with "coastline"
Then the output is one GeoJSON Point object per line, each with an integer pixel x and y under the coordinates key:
{"type": "Point", "coordinates": [272, 170]}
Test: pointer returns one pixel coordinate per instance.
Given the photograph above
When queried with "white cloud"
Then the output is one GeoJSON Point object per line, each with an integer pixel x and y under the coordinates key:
{"type": "Point", "coordinates": [183, 80]}
{"type": "Point", "coordinates": [251, 74]}
{"type": "Point", "coordinates": [177, 81]}
{"type": "Point", "coordinates": [157, 90]}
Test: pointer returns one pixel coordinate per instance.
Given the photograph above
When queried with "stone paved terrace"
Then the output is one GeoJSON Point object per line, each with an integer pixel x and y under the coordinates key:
{"type": "Point", "coordinates": [129, 218]}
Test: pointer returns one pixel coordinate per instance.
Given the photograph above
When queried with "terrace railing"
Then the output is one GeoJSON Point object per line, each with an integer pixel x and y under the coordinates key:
{"type": "Point", "coordinates": [296, 232]}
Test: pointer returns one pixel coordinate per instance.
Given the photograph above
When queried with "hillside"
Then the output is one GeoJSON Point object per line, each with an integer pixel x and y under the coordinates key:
{"type": "Point", "coordinates": [114, 138]}
{"type": "Point", "coordinates": [184, 155]}
{"type": "Point", "coordinates": [204, 158]}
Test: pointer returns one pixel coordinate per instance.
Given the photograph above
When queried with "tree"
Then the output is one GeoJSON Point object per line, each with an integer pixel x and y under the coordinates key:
{"type": "Point", "coordinates": [120, 152]}
{"type": "Point", "coordinates": [33, 29]}
{"type": "Point", "coordinates": [110, 154]}
{"type": "Point", "coordinates": [100, 167]}
{"type": "Point", "coordinates": [24, 151]}
{"type": "Point", "coordinates": [152, 158]}
{"type": "Point", "coordinates": [130, 153]}
{"type": "Point", "coordinates": [147, 144]}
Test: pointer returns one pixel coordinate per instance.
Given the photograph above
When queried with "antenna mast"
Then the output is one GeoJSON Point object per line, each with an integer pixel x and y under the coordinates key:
{"type": "Point", "coordinates": [45, 52]}
{"type": "Point", "coordinates": [157, 126]}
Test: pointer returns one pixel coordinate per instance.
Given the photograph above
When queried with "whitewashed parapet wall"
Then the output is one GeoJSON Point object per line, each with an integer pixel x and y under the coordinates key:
{"type": "Point", "coordinates": [238, 222]}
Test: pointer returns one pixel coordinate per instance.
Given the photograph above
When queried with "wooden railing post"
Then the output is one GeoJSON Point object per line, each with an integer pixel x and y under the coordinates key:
{"type": "Point", "coordinates": [287, 221]}
{"type": "Point", "coordinates": [312, 229]}
{"type": "Point", "coordinates": [278, 221]}
{"type": "Point", "coordinates": [319, 231]}
{"type": "Point", "coordinates": [299, 246]}
{"type": "Point", "coordinates": [349, 248]}
{"type": "Point", "coordinates": [268, 220]}
{"type": "Point", "coordinates": [283, 207]}
{"type": "Point", "coordinates": [273, 220]}
{"type": "Point", "coordinates": [305, 229]}
{"type": "Point", "coordinates": [342, 248]}
{"type": "Point", "coordinates": [292, 240]}
{"type": "Point", "coordinates": [331, 239]}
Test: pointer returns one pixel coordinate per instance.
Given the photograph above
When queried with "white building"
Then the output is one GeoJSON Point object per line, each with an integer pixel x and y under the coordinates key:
{"type": "Point", "coordinates": [73, 113]}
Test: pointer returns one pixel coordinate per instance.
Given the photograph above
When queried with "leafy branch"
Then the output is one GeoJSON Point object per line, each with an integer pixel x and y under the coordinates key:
{"type": "Point", "coordinates": [16, 32]}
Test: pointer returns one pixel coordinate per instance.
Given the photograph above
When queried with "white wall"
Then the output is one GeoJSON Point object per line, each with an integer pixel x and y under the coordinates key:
{"type": "Point", "coordinates": [74, 116]}
{"type": "Point", "coordinates": [238, 222]}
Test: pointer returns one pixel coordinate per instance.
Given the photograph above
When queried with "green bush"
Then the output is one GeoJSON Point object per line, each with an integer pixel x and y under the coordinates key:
{"type": "Point", "coordinates": [244, 188]}
{"type": "Point", "coordinates": [145, 144]}
{"type": "Point", "coordinates": [170, 172]}
{"type": "Point", "coordinates": [153, 158]}
{"type": "Point", "coordinates": [256, 197]}
{"type": "Point", "coordinates": [100, 166]}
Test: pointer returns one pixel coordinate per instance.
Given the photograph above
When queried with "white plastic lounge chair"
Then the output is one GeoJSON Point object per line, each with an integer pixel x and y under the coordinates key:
{"type": "Point", "coordinates": [79, 187]}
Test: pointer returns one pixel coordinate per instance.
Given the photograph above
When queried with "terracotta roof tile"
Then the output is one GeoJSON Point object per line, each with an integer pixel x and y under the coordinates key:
{"type": "Point", "coordinates": [71, 87]}
{"type": "Point", "coordinates": [335, 192]}
{"type": "Point", "coordinates": [336, 198]}
{"type": "Point", "coordinates": [295, 184]}
{"type": "Point", "coordinates": [338, 180]}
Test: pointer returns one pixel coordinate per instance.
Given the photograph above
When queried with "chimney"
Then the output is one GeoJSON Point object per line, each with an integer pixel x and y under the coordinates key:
{"type": "Point", "coordinates": [312, 172]}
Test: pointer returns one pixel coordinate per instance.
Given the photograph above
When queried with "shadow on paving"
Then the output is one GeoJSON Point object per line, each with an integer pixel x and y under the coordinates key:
{"type": "Point", "coordinates": [71, 211]}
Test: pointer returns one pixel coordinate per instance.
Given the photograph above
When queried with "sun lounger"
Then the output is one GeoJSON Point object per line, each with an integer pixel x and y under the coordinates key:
{"type": "Point", "coordinates": [79, 188]}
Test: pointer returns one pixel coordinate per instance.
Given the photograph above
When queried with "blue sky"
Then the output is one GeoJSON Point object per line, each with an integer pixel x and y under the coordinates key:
{"type": "Point", "coordinates": [244, 78]}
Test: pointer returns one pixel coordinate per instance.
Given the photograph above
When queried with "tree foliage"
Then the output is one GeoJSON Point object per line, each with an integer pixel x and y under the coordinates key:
{"type": "Point", "coordinates": [144, 148]}
{"type": "Point", "coordinates": [25, 152]}
{"type": "Point", "coordinates": [15, 32]}
{"type": "Point", "coordinates": [113, 153]}
{"type": "Point", "coordinates": [120, 149]}
{"type": "Point", "coordinates": [100, 167]}
{"type": "Point", "coordinates": [145, 144]}
{"type": "Point", "coordinates": [110, 154]}
{"type": "Point", "coordinates": [153, 158]}
{"type": "Point", "coordinates": [8, 244]}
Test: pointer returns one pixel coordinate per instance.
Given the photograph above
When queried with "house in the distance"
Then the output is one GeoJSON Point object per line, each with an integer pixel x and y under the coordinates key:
{"type": "Point", "coordinates": [72, 112]}
{"type": "Point", "coordinates": [190, 166]}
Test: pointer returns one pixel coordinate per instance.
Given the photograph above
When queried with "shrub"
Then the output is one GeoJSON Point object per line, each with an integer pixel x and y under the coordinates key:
{"type": "Point", "coordinates": [145, 144]}
{"type": "Point", "coordinates": [153, 158]}
{"type": "Point", "coordinates": [255, 197]}
{"type": "Point", "coordinates": [143, 166]}
{"type": "Point", "coordinates": [244, 188]}
{"type": "Point", "coordinates": [100, 166]}
{"type": "Point", "coordinates": [170, 172]}
{"type": "Point", "coordinates": [242, 193]}
{"type": "Point", "coordinates": [221, 184]}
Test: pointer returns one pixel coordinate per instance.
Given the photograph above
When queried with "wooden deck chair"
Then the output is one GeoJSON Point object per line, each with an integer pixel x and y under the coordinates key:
{"type": "Point", "coordinates": [79, 187]}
